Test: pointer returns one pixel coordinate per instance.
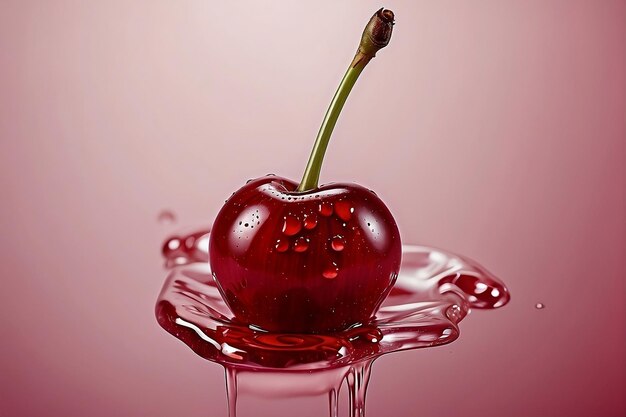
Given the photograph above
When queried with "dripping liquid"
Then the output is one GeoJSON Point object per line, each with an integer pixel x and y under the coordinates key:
{"type": "Point", "coordinates": [434, 291]}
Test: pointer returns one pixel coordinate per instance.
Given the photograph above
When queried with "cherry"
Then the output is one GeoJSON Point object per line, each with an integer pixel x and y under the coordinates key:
{"type": "Point", "coordinates": [304, 258]}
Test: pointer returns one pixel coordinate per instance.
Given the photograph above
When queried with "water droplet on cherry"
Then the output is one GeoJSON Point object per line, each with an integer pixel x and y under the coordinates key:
{"type": "Point", "coordinates": [301, 244]}
{"type": "Point", "coordinates": [190, 242]}
{"type": "Point", "coordinates": [344, 210]}
{"type": "Point", "coordinates": [337, 243]}
{"type": "Point", "coordinates": [331, 271]}
{"type": "Point", "coordinates": [282, 245]}
{"type": "Point", "coordinates": [291, 226]}
{"type": "Point", "coordinates": [310, 221]}
{"type": "Point", "coordinates": [325, 208]}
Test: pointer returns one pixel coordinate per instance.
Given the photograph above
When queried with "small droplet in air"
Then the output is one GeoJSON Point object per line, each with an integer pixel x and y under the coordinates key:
{"type": "Point", "coordinates": [540, 306]}
{"type": "Point", "coordinates": [166, 217]}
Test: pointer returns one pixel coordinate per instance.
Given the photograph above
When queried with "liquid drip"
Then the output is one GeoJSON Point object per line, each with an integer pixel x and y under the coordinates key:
{"type": "Point", "coordinates": [434, 291]}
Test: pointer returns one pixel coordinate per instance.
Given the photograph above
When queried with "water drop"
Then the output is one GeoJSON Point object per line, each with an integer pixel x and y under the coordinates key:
{"type": "Point", "coordinates": [310, 221]}
{"type": "Point", "coordinates": [337, 243]}
{"type": "Point", "coordinates": [166, 217]}
{"type": "Point", "coordinates": [325, 208]}
{"type": "Point", "coordinates": [190, 242]}
{"type": "Point", "coordinates": [344, 210]}
{"type": "Point", "coordinates": [173, 244]}
{"type": "Point", "coordinates": [540, 306]}
{"type": "Point", "coordinates": [172, 248]}
{"type": "Point", "coordinates": [291, 226]}
{"type": "Point", "coordinates": [331, 271]}
{"type": "Point", "coordinates": [301, 244]}
{"type": "Point", "coordinates": [282, 245]}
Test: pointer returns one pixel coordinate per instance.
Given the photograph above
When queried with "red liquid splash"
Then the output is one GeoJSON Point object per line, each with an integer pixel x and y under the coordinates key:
{"type": "Point", "coordinates": [433, 293]}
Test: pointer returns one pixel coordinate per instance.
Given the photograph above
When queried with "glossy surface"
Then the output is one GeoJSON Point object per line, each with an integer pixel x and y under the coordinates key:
{"type": "Point", "coordinates": [311, 262]}
{"type": "Point", "coordinates": [433, 293]}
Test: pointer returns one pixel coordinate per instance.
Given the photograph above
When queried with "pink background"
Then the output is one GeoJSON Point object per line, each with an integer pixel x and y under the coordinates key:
{"type": "Point", "coordinates": [491, 128]}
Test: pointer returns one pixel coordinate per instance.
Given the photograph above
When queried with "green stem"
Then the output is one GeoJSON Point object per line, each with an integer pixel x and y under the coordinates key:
{"type": "Point", "coordinates": [375, 37]}
{"type": "Point", "coordinates": [311, 175]}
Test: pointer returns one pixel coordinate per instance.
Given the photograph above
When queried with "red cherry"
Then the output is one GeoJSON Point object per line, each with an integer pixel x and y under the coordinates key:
{"type": "Point", "coordinates": [269, 247]}
{"type": "Point", "coordinates": [302, 279]}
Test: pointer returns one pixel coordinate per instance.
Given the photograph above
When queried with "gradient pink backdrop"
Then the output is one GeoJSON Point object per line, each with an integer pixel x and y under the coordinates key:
{"type": "Point", "coordinates": [491, 128]}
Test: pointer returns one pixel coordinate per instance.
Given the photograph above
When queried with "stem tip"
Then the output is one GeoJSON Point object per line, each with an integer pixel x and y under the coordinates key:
{"type": "Point", "coordinates": [375, 37]}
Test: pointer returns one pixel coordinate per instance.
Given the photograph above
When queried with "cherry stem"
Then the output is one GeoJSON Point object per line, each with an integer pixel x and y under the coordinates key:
{"type": "Point", "coordinates": [375, 37]}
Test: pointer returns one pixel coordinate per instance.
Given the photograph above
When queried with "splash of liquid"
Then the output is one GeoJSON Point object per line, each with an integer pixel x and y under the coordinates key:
{"type": "Point", "coordinates": [434, 291]}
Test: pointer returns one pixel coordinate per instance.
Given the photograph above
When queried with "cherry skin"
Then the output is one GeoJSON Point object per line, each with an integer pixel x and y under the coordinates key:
{"type": "Point", "coordinates": [317, 261]}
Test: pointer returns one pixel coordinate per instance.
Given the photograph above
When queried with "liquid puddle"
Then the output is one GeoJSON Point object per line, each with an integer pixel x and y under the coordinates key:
{"type": "Point", "coordinates": [434, 291]}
